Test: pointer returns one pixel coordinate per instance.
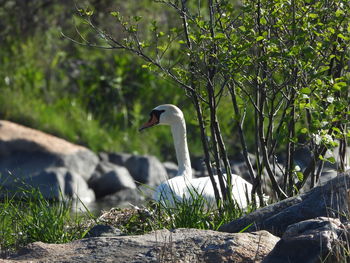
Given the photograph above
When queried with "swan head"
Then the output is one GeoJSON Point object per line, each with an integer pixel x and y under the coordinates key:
{"type": "Point", "coordinates": [166, 114]}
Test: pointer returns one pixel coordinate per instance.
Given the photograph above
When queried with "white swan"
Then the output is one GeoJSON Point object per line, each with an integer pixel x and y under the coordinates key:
{"type": "Point", "coordinates": [183, 186]}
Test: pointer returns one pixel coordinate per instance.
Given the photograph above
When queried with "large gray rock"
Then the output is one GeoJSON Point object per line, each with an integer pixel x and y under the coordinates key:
{"type": "Point", "coordinates": [199, 167]}
{"type": "Point", "coordinates": [240, 168]}
{"type": "Point", "coordinates": [115, 158]}
{"type": "Point", "coordinates": [303, 156]}
{"type": "Point", "coordinates": [181, 245]}
{"type": "Point", "coordinates": [53, 183]}
{"type": "Point", "coordinates": [308, 241]}
{"type": "Point", "coordinates": [146, 170]}
{"type": "Point", "coordinates": [103, 231]}
{"type": "Point", "coordinates": [126, 196]}
{"type": "Point", "coordinates": [329, 200]}
{"type": "Point", "coordinates": [109, 178]}
{"type": "Point", "coordinates": [171, 169]}
{"type": "Point", "coordinates": [26, 154]}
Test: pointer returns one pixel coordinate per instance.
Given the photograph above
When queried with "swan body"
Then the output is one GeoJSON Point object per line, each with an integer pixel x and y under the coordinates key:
{"type": "Point", "coordinates": [184, 186]}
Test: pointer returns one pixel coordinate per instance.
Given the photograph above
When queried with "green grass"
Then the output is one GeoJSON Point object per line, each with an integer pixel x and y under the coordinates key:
{"type": "Point", "coordinates": [194, 212]}
{"type": "Point", "coordinates": [33, 218]}
{"type": "Point", "coordinates": [63, 118]}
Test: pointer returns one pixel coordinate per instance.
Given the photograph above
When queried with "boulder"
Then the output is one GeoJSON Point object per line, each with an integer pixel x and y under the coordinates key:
{"type": "Point", "coordinates": [303, 156]}
{"type": "Point", "coordinates": [27, 155]}
{"type": "Point", "coordinates": [329, 200]}
{"type": "Point", "coordinates": [134, 196]}
{"type": "Point", "coordinates": [199, 166]}
{"type": "Point", "coordinates": [103, 231]}
{"type": "Point", "coordinates": [180, 245]}
{"type": "Point", "coordinates": [308, 241]}
{"type": "Point", "coordinates": [53, 183]}
{"type": "Point", "coordinates": [76, 186]}
{"type": "Point", "coordinates": [146, 170]}
{"type": "Point", "coordinates": [240, 168]}
{"type": "Point", "coordinates": [109, 178]}
{"type": "Point", "coordinates": [171, 169]}
{"type": "Point", "coordinates": [115, 158]}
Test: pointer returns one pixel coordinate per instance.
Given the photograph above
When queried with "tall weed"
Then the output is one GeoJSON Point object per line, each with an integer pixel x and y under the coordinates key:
{"type": "Point", "coordinates": [33, 218]}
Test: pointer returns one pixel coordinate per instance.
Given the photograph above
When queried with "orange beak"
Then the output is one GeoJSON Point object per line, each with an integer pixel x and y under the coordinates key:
{"type": "Point", "coordinates": [152, 121]}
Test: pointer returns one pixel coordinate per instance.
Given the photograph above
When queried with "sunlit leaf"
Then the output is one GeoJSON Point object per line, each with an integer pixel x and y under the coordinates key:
{"type": "Point", "coordinates": [339, 85]}
{"type": "Point", "coordinates": [343, 37]}
{"type": "Point", "coordinates": [115, 14]}
{"type": "Point", "coordinates": [304, 130]}
{"type": "Point", "coordinates": [137, 18]}
{"type": "Point", "coordinates": [300, 176]}
{"type": "Point", "coordinates": [220, 36]}
{"type": "Point", "coordinates": [306, 91]}
{"type": "Point", "coordinates": [242, 28]}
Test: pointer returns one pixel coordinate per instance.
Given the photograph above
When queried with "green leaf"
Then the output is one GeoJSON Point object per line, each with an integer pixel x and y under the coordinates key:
{"type": "Point", "coordinates": [331, 160]}
{"type": "Point", "coordinates": [259, 38]}
{"type": "Point", "coordinates": [306, 91]}
{"type": "Point", "coordinates": [322, 158]}
{"type": "Point", "coordinates": [293, 139]}
{"type": "Point", "coordinates": [220, 36]}
{"type": "Point", "coordinates": [339, 13]}
{"type": "Point", "coordinates": [336, 130]}
{"type": "Point", "coordinates": [161, 48]}
{"type": "Point", "coordinates": [263, 21]}
{"type": "Point", "coordinates": [312, 15]}
{"type": "Point", "coordinates": [343, 37]}
{"type": "Point", "coordinates": [304, 130]}
{"type": "Point", "coordinates": [331, 30]}
{"type": "Point", "coordinates": [89, 12]}
{"type": "Point", "coordinates": [318, 81]}
{"type": "Point", "coordinates": [132, 29]}
{"type": "Point", "coordinates": [192, 37]}
{"type": "Point", "coordinates": [302, 105]}
{"type": "Point", "coordinates": [115, 14]}
{"type": "Point", "coordinates": [137, 18]}
{"type": "Point", "coordinates": [300, 176]}
{"type": "Point", "coordinates": [339, 85]}
{"type": "Point", "coordinates": [323, 68]}
{"type": "Point", "coordinates": [242, 28]}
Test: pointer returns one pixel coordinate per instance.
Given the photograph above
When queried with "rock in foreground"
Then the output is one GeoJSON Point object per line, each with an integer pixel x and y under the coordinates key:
{"type": "Point", "coordinates": [181, 245]}
{"type": "Point", "coordinates": [329, 200]}
{"type": "Point", "coordinates": [311, 240]}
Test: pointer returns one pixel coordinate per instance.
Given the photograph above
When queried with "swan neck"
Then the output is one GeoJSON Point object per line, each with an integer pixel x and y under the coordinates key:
{"type": "Point", "coordinates": [178, 130]}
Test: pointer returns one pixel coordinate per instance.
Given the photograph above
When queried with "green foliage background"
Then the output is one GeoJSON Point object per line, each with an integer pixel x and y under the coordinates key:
{"type": "Point", "coordinates": [98, 98]}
